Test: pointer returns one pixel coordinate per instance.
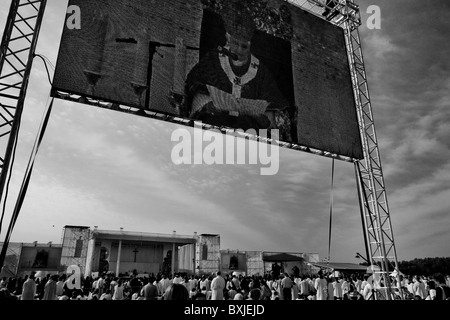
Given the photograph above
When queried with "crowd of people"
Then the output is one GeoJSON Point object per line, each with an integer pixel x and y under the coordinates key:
{"type": "Point", "coordinates": [216, 286]}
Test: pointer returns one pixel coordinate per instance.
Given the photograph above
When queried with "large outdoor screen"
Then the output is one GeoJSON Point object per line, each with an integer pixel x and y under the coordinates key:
{"type": "Point", "coordinates": [238, 64]}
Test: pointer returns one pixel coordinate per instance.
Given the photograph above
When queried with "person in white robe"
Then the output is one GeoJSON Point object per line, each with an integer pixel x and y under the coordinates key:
{"type": "Point", "coordinates": [217, 286]}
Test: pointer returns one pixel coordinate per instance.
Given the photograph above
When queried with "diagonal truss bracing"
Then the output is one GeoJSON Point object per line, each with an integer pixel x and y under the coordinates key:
{"type": "Point", "coordinates": [376, 215]}
{"type": "Point", "coordinates": [16, 56]}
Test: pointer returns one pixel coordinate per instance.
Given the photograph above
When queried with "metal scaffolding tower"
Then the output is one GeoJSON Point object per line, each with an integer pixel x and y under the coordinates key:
{"type": "Point", "coordinates": [377, 226]}
{"type": "Point", "coordinates": [75, 242]}
{"type": "Point", "coordinates": [16, 58]}
{"type": "Point", "coordinates": [12, 259]}
{"type": "Point", "coordinates": [369, 172]}
{"type": "Point", "coordinates": [207, 254]}
{"type": "Point", "coordinates": [255, 263]}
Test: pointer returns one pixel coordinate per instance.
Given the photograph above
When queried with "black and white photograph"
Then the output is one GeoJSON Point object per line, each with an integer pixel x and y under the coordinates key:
{"type": "Point", "coordinates": [224, 150]}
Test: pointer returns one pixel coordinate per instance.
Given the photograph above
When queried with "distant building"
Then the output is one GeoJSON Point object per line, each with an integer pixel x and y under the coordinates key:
{"type": "Point", "coordinates": [124, 252]}
{"type": "Point", "coordinates": [242, 262]}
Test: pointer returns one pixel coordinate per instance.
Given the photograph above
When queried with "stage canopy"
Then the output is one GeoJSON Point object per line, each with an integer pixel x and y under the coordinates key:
{"type": "Point", "coordinates": [281, 257]}
{"type": "Point", "coordinates": [340, 266]}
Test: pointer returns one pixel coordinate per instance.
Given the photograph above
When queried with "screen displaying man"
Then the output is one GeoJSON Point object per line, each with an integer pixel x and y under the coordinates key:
{"type": "Point", "coordinates": [230, 86]}
{"type": "Point", "coordinates": [238, 64]}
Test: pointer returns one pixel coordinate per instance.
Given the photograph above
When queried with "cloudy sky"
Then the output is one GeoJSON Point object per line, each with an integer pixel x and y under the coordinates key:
{"type": "Point", "coordinates": [103, 168]}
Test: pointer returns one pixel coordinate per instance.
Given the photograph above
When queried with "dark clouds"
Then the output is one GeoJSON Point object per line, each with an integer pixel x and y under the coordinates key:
{"type": "Point", "coordinates": [408, 71]}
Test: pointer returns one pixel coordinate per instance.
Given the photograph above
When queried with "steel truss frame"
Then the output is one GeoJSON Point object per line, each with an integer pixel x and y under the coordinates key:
{"type": "Point", "coordinates": [212, 263]}
{"type": "Point", "coordinates": [69, 241]}
{"type": "Point", "coordinates": [16, 58]}
{"type": "Point", "coordinates": [369, 173]}
{"type": "Point", "coordinates": [13, 251]}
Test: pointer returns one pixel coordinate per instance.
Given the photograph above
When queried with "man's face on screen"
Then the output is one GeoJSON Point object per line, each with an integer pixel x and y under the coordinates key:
{"type": "Point", "coordinates": [241, 47]}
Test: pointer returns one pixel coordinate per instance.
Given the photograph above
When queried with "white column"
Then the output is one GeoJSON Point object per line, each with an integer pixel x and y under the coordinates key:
{"type": "Point", "coordinates": [173, 258]}
{"type": "Point", "coordinates": [193, 258]}
{"type": "Point", "coordinates": [90, 258]}
{"type": "Point", "coordinates": [119, 252]}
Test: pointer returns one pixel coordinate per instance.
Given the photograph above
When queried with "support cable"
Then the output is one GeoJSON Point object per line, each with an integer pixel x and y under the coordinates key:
{"type": "Point", "coordinates": [331, 211]}
{"type": "Point", "coordinates": [45, 60]}
{"type": "Point", "coordinates": [25, 182]}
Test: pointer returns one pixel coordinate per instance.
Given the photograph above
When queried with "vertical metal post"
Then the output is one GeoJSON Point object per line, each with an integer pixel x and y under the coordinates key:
{"type": "Point", "coordinates": [361, 198]}
{"type": "Point", "coordinates": [173, 259]}
{"type": "Point", "coordinates": [119, 253]}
